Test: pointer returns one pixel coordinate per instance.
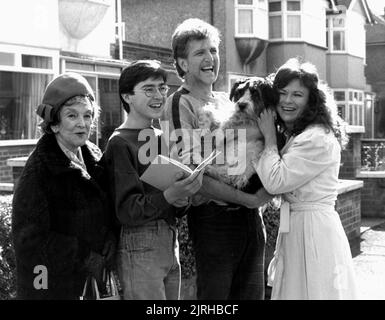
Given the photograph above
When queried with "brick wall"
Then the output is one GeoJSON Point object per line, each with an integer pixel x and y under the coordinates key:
{"type": "Point", "coordinates": [7, 152]}
{"type": "Point", "coordinates": [373, 197]}
{"type": "Point", "coordinates": [373, 192]}
{"type": "Point", "coordinates": [348, 206]}
{"type": "Point", "coordinates": [351, 157]}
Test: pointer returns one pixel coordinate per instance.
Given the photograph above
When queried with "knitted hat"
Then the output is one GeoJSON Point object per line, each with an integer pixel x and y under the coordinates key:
{"type": "Point", "coordinates": [61, 89]}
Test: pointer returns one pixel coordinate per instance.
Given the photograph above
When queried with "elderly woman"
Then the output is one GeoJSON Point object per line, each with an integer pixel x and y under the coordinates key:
{"type": "Point", "coordinates": [60, 223]}
{"type": "Point", "coordinates": [312, 259]}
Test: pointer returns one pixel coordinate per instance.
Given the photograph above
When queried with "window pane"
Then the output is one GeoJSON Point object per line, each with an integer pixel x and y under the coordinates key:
{"type": "Point", "coordinates": [80, 66]}
{"type": "Point", "coordinates": [356, 115]}
{"type": "Point", "coordinates": [338, 22]}
{"type": "Point", "coordinates": [262, 4]}
{"type": "Point", "coordinates": [7, 59]}
{"type": "Point", "coordinates": [275, 27]}
{"type": "Point", "coordinates": [111, 115]}
{"type": "Point", "coordinates": [341, 110]}
{"type": "Point", "coordinates": [360, 119]}
{"type": "Point", "coordinates": [20, 94]}
{"type": "Point", "coordinates": [108, 69]}
{"type": "Point", "coordinates": [351, 115]}
{"type": "Point", "coordinates": [245, 1]}
{"type": "Point", "coordinates": [293, 6]}
{"type": "Point", "coordinates": [327, 39]}
{"type": "Point", "coordinates": [245, 21]}
{"type": "Point", "coordinates": [338, 40]}
{"type": "Point", "coordinates": [339, 95]}
{"type": "Point", "coordinates": [275, 6]}
{"type": "Point", "coordinates": [29, 61]}
{"type": "Point", "coordinates": [293, 26]}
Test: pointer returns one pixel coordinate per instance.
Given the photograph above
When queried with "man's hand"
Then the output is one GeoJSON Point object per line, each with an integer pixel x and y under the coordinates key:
{"type": "Point", "coordinates": [259, 199]}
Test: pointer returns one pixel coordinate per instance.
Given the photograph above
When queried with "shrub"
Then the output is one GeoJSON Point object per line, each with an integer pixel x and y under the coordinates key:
{"type": "Point", "coordinates": [7, 255]}
{"type": "Point", "coordinates": [373, 157]}
{"type": "Point", "coordinates": [187, 260]}
{"type": "Point", "coordinates": [271, 220]}
{"type": "Point", "coordinates": [186, 251]}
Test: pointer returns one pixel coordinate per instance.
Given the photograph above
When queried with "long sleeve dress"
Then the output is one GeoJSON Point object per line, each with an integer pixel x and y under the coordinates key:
{"type": "Point", "coordinates": [312, 258]}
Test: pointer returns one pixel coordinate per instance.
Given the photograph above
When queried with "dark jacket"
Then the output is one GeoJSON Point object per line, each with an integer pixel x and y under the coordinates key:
{"type": "Point", "coordinates": [59, 215]}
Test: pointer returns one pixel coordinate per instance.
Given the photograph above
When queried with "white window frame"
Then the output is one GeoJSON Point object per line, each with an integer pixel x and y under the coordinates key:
{"type": "Point", "coordinates": [354, 108]}
{"type": "Point", "coordinates": [255, 7]}
{"type": "Point", "coordinates": [18, 51]}
{"type": "Point", "coordinates": [330, 33]}
{"type": "Point", "coordinates": [284, 13]}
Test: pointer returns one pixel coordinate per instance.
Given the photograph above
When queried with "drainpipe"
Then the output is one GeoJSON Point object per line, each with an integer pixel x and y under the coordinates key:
{"type": "Point", "coordinates": [212, 12]}
{"type": "Point", "coordinates": [119, 23]}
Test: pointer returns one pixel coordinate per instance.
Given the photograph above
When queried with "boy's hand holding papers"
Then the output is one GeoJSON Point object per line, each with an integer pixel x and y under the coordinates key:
{"type": "Point", "coordinates": [163, 171]}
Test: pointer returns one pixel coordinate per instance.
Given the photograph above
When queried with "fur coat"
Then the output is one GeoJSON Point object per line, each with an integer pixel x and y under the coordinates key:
{"type": "Point", "coordinates": [59, 215]}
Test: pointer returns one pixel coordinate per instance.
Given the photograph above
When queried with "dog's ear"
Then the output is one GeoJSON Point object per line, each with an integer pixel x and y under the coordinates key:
{"type": "Point", "coordinates": [236, 84]}
{"type": "Point", "coordinates": [269, 95]}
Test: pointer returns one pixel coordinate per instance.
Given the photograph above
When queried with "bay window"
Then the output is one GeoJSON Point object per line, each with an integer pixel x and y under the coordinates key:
{"type": "Point", "coordinates": [285, 20]}
{"type": "Point", "coordinates": [251, 18]}
{"type": "Point", "coordinates": [350, 104]}
{"type": "Point", "coordinates": [335, 35]}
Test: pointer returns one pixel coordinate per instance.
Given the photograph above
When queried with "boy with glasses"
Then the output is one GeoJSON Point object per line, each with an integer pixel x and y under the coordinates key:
{"type": "Point", "coordinates": [148, 253]}
{"type": "Point", "coordinates": [227, 230]}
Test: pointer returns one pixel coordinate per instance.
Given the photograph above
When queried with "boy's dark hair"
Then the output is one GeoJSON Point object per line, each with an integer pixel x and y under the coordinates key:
{"type": "Point", "coordinates": [191, 29]}
{"type": "Point", "coordinates": [136, 72]}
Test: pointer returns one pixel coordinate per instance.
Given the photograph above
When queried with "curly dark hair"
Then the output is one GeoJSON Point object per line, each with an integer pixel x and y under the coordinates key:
{"type": "Point", "coordinates": [321, 107]}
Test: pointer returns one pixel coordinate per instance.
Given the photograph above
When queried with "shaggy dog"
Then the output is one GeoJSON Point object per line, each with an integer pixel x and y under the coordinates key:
{"type": "Point", "coordinates": [251, 97]}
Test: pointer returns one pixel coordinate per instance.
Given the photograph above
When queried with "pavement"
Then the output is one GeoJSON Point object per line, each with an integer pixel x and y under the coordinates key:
{"type": "Point", "coordinates": [369, 259]}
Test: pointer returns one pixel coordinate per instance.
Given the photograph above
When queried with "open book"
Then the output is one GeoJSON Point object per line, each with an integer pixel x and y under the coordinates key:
{"type": "Point", "coordinates": [162, 170]}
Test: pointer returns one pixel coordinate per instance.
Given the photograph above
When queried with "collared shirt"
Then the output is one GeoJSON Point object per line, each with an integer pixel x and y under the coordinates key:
{"type": "Point", "coordinates": [76, 159]}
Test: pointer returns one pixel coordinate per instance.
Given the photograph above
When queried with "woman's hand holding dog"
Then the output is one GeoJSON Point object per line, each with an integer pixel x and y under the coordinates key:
{"type": "Point", "coordinates": [185, 185]}
{"type": "Point", "coordinates": [266, 123]}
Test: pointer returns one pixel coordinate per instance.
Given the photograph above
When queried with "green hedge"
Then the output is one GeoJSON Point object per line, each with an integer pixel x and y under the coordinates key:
{"type": "Point", "coordinates": [7, 256]}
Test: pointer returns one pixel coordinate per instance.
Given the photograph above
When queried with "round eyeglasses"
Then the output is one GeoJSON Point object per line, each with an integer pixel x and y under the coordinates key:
{"type": "Point", "coordinates": [151, 91]}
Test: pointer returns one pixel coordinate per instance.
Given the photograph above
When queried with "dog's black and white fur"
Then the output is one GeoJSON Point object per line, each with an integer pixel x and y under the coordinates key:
{"type": "Point", "coordinates": [251, 97]}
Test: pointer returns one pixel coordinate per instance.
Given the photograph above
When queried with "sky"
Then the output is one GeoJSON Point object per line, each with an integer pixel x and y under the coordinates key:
{"type": "Point", "coordinates": [377, 6]}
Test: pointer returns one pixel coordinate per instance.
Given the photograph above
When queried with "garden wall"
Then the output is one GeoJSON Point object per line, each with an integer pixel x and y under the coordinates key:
{"type": "Point", "coordinates": [11, 150]}
{"type": "Point", "coordinates": [372, 172]}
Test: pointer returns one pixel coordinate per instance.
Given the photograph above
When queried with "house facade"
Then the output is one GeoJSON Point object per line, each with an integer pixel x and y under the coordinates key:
{"type": "Point", "coordinates": [260, 35]}
{"type": "Point", "coordinates": [375, 74]}
{"type": "Point", "coordinates": [97, 38]}
{"type": "Point", "coordinates": [41, 39]}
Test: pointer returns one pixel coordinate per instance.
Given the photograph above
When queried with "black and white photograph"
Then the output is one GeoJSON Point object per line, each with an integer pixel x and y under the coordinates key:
{"type": "Point", "coordinates": [194, 155]}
